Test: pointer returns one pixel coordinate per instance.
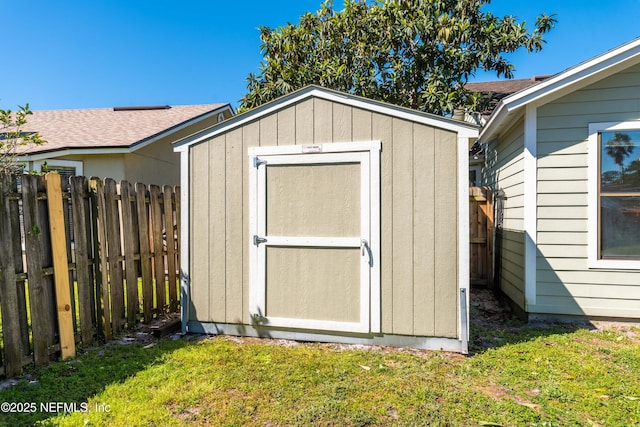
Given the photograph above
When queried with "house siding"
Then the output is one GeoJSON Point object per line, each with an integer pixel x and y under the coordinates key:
{"type": "Point", "coordinates": [419, 245]}
{"type": "Point", "coordinates": [565, 284]}
{"type": "Point", "coordinates": [505, 171]}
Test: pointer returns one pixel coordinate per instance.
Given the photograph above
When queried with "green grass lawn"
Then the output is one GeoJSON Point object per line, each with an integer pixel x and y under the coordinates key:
{"type": "Point", "coordinates": [515, 376]}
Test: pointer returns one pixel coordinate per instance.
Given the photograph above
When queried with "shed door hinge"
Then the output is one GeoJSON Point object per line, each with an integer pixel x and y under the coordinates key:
{"type": "Point", "coordinates": [257, 240]}
{"type": "Point", "coordinates": [257, 162]}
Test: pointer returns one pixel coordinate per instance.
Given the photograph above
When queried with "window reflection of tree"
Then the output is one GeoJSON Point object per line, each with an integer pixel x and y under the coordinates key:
{"type": "Point", "coordinates": [618, 148]}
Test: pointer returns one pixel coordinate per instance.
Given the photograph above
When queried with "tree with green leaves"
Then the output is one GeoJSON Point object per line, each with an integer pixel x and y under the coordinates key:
{"type": "Point", "coordinates": [414, 53]}
{"type": "Point", "coordinates": [14, 139]}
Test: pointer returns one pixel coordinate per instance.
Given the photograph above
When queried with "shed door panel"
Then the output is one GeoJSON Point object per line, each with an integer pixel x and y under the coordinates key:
{"type": "Point", "coordinates": [311, 241]}
{"type": "Point", "coordinates": [313, 283]}
{"type": "Point", "coordinates": [302, 200]}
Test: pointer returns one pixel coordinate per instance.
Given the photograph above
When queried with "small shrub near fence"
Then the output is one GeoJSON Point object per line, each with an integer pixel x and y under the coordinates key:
{"type": "Point", "coordinates": [81, 262]}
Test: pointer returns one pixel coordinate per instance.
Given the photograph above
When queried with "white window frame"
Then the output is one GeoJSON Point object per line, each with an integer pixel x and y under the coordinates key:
{"type": "Point", "coordinates": [594, 260]}
{"type": "Point", "coordinates": [77, 164]}
{"type": "Point", "coordinates": [368, 154]}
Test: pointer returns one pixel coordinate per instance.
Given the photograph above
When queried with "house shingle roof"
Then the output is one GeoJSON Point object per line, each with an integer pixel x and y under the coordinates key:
{"type": "Point", "coordinates": [108, 127]}
{"type": "Point", "coordinates": [494, 91]}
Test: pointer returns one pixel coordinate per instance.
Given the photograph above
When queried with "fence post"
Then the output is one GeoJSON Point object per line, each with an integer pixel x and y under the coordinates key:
{"type": "Point", "coordinates": [60, 265]}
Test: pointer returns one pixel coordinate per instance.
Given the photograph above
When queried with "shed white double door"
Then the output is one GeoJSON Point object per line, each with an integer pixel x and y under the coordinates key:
{"type": "Point", "coordinates": [314, 237]}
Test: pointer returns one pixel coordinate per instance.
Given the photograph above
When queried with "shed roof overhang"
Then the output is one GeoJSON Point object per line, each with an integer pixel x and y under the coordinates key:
{"type": "Point", "coordinates": [463, 129]}
{"type": "Point", "coordinates": [561, 84]}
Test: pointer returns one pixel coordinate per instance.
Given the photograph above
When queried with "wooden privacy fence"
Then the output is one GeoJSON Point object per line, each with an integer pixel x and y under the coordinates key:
{"type": "Point", "coordinates": [81, 263]}
{"type": "Point", "coordinates": [481, 235]}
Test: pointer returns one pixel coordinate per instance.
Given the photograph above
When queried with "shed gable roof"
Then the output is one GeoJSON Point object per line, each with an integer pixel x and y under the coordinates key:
{"type": "Point", "coordinates": [570, 80]}
{"type": "Point", "coordinates": [462, 128]}
{"type": "Point", "coordinates": [104, 128]}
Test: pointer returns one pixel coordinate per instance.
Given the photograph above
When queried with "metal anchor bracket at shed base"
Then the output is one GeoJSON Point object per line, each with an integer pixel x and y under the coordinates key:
{"type": "Point", "coordinates": [257, 240]}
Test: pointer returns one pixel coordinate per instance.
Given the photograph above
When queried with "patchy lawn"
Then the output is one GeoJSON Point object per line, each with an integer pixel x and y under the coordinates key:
{"type": "Point", "coordinates": [516, 375]}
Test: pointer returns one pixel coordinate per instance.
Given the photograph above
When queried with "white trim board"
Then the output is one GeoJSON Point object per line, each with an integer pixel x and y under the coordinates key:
{"type": "Point", "coordinates": [530, 204]}
{"type": "Point", "coordinates": [463, 241]}
{"type": "Point", "coordinates": [185, 250]}
{"type": "Point", "coordinates": [422, 343]}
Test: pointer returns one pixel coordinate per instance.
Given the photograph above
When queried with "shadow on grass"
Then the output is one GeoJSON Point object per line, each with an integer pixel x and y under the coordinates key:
{"type": "Point", "coordinates": [494, 325]}
{"type": "Point", "coordinates": [36, 396]}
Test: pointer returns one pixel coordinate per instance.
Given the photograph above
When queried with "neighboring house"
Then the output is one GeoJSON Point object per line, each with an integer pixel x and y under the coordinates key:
{"type": "Point", "coordinates": [323, 216]}
{"type": "Point", "coordinates": [565, 155]}
{"type": "Point", "coordinates": [132, 143]}
{"type": "Point", "coordinates": [492, 92]}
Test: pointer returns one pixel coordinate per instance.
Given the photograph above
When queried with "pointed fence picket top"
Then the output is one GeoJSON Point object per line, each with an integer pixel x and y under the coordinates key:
{"type": "Point", "coordinates": [111, 262]}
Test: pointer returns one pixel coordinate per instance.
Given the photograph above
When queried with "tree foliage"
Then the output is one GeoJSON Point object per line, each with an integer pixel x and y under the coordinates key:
{"type": "Point", "coordinates": [13, 138]}
{"type": "Point", "coordinates": [415, 53]}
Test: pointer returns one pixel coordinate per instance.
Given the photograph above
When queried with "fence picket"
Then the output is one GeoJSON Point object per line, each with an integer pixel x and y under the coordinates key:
{"type": "Point", "coordinates": [156, 231]}
{"type": "Point", "coordinates": [131, 274]}
{"type": "Point", "coordinates": [169, 226]}
{"type": "Point", "coordinates": [113, 254]}
{"type": "Point", "coordinates": [9, 303]}
{"type": "Point", "coordinates": [86, 304]}
{"type": "Point", "coordinates": [47, 261]}
{"type": "Point", "coordinates": [19, 268]}
{"type": "Point", "coordinates": [145, 252]}
{"type": "Point", "coordinates": [104, 308]}
{"type": "Point", "coordinates": [40, 316]}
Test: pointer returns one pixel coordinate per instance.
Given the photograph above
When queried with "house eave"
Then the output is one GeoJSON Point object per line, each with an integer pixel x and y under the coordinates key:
{"type": "Point", "coordinates": [43, 155]}
{"type": "Point", "coordinates": [176, 128]}
{"type": "Point", "coordinates": [562, 83]}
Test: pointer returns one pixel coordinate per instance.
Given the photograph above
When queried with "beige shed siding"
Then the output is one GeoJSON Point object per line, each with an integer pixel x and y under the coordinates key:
{"type": "Point", "coordinates": [565, 284]}
{"type": "Point", "coordinates": [419, 290]}
{"type": "Point", "coordinates": [199, 223]}
{"type": "Point", "coordinates": [505, 171]}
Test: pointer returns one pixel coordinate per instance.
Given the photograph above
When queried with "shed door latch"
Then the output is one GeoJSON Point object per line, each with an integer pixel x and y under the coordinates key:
{"type": "Point", "coordinates": [365, 247]}
{"type": "Point", "coordinates": [257, 240]}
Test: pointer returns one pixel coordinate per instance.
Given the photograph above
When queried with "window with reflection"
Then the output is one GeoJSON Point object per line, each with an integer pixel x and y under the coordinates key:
{"type": "Point", "coordinates": [619, 194]}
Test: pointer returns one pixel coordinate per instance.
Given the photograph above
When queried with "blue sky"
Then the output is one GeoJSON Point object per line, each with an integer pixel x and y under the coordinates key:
{"type": "Point", "coordinates": [105, 53]}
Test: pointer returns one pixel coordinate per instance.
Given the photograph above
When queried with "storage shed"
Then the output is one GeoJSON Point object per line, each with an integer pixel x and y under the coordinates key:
{"type": "Point", "coordinates": [322, 216]}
